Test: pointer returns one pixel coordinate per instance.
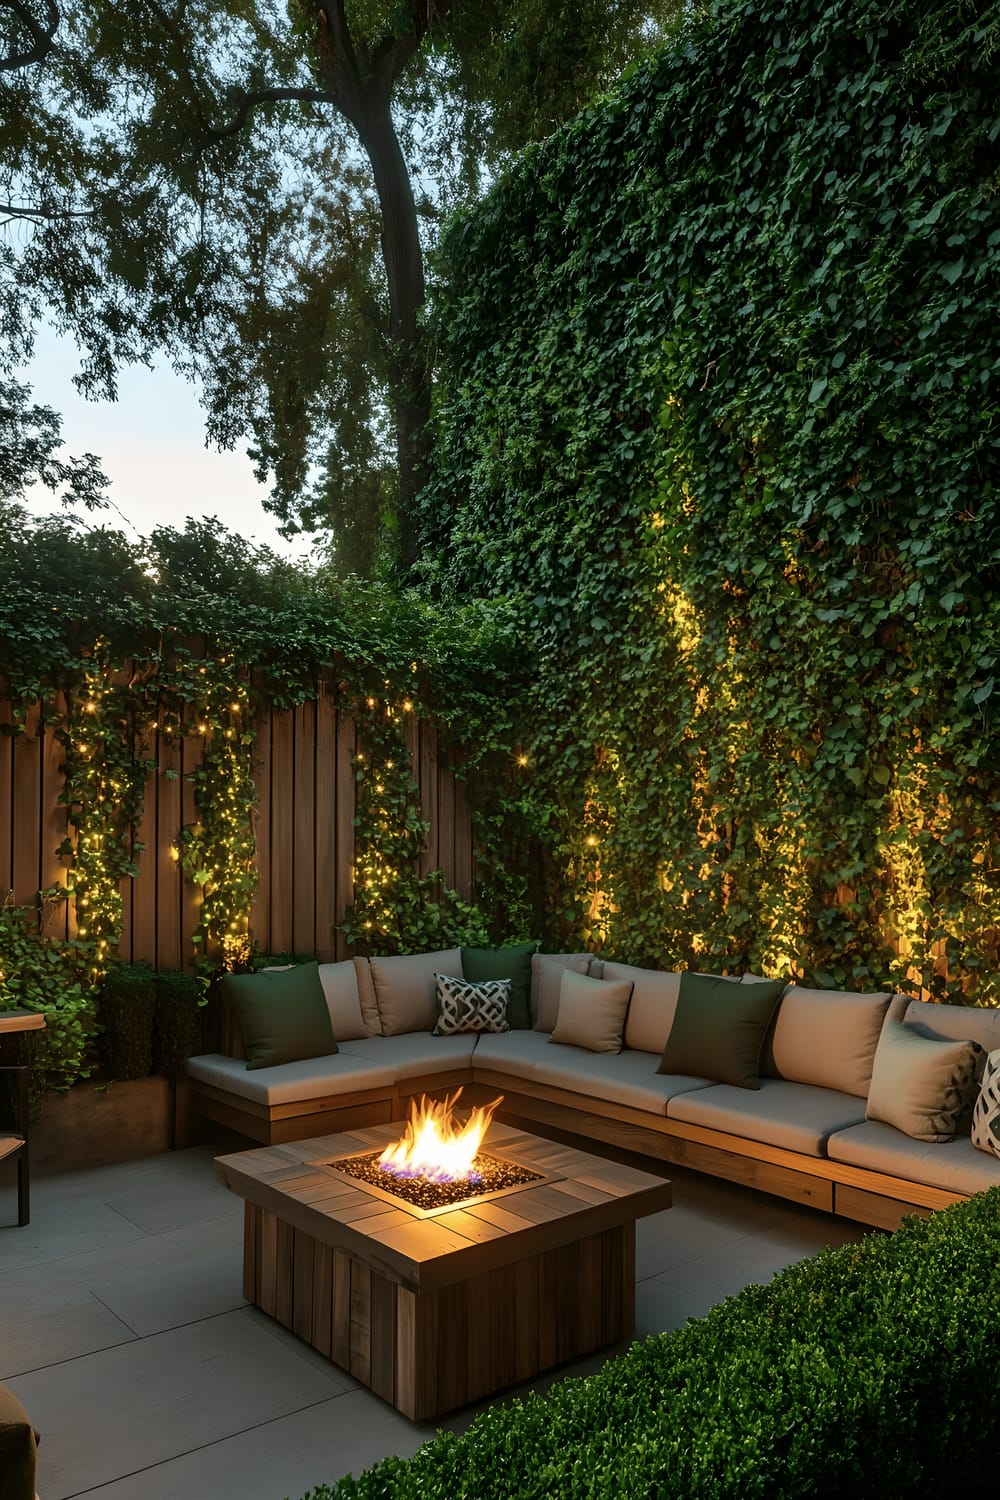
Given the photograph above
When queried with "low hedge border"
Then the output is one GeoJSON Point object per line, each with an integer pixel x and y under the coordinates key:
{"type": "Point", "coordinates": [866, 1370]}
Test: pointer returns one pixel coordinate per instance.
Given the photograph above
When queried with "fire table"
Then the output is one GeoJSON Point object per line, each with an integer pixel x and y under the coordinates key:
{"type": "Point", "coordinates": [435, 1308]}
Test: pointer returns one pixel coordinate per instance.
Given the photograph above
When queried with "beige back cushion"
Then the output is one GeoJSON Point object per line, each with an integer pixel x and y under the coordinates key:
{"type": "Point", "coordinates": [654, 1000]}
{"type": "Point", "coordinates": [591, 1012]}
{"type": "Point", "coordinates": [826, 1037]}
{"type": "Point", "coordinates": [366, 996]}
{"type": "Point", "coordinates": [340, 990]}
{"type": "Point", "coordinates": [957, 1023]}
{"type": "Point", "coordinates": [406, 990]}
{"type": "Point", "coordinates": [546, 978]}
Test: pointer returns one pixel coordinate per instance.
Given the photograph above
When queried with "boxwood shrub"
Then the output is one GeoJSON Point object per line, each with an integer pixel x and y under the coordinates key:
{"type": "Point", "coordinates": [866, 1370]}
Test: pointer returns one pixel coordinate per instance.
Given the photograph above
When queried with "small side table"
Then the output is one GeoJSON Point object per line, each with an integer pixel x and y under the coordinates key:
{"type": "Point", "coordinates": [13, 1023]}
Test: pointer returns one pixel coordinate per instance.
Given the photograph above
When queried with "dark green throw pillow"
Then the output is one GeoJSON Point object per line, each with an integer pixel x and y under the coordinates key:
{"type": "Point", "coordinates": [513, 963]}
{"type": "Point", "coordinates": [283, 1014]}
{"type": "Point", "coordinates": [718, 1029]}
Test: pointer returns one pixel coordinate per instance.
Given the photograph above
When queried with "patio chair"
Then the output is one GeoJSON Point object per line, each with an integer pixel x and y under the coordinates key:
{"type": "Point", "coordinates": [18, 1443]}
{"type": "Point", "coordinates": [14, 1132]}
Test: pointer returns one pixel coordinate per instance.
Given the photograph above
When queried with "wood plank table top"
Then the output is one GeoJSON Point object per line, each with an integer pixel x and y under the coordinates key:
{"type": "Point", "coordinates": [21, 1020]}
{"type": "Point", "coordinates": [579, 1194]}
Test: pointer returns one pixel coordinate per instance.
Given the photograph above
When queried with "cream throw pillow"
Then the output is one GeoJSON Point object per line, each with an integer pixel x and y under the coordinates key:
{"type": "Point", "coordinates": [921, 1085]}
{"type": "Point", "coordinates": [591, 1012]}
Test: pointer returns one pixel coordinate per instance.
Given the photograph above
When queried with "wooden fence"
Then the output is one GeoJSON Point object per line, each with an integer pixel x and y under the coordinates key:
{"type": "Point", "coordinates": [304, 827]}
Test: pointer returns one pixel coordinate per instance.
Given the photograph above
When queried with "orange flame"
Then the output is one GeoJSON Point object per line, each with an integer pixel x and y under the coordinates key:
{"type": "Point", "coordinates": [434, 1144]}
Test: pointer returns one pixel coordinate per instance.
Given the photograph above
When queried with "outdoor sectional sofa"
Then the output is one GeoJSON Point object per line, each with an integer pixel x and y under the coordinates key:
{"type": "Point", "coordinates": [804, 1132]}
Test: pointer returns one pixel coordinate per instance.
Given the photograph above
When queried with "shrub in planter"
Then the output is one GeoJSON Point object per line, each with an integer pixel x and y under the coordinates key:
{"type": "Point", "coordinates": [176, 1021]}
{"type": "Point", "coordinates": [125, 1008]}
{"type": "Point", "coordinates": [866, 1370]}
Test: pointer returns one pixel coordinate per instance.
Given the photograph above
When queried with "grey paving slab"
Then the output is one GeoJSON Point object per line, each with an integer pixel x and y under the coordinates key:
{"type": "Point", "coordinates": [61, 1228]}
{"type": "Point", "coordinates": [125, 1409]}
{"type": "Point", "coordinates": [285, 1457]}
{"type": "Point", "coordinates": [150, 1284]}
{"type": "Point", "coordinates": [39, 1328]}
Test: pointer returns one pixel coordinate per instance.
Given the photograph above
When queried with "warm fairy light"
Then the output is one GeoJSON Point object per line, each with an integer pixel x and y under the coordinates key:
{"type": "Point", "coordinates": [592, 840]}
{"type": "Point", "coordinates": [435, 1145]}
{"type": "Point", "coordinates": [522, 760]}
{"type": "Point", "coordinates": [407, 706]}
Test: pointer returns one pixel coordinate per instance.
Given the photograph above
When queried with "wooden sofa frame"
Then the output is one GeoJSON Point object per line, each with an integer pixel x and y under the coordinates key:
{"type": "Point", "coordinates": [851, 1192]}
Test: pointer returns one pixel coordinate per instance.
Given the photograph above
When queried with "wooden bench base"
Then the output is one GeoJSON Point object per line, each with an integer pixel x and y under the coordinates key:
{"type": "Point", "coordinates": [851, 1192]}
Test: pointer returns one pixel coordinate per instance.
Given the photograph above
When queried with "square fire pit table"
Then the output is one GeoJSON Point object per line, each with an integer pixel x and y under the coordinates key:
{"type": "Point", "coordinates": [435, 1308]}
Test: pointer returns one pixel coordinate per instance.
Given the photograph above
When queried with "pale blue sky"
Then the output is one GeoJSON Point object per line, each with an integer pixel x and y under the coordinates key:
{"type": "Point", "coordinates": [152, 445]}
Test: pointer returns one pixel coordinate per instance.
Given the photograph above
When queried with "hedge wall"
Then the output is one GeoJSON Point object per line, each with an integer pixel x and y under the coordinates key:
{"type": "Point", "coordinates": [864, 1371]}
{"type": "Point", "coordinates": [718, 412]}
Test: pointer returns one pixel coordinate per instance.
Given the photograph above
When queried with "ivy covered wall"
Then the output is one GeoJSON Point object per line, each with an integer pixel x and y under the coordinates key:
{"type": "Point", "coordinates": [108, 665]}
{"type": "Point", "coordinates": [718, 415]}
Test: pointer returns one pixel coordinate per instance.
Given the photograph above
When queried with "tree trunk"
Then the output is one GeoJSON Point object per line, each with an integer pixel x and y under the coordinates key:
{"type": "Point", "coordinates": [402, 255]}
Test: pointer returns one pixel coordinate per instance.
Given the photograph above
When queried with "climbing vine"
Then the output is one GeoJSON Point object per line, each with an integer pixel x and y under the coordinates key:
{"type": "Point", "coordinates": [163, 667]}
{"type": "Point", "coordinates": [719, 417]}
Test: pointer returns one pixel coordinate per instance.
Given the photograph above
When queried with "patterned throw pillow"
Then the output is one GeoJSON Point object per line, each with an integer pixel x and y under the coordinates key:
{"type": "Point", "coordinates": [470, 1007]}
{"type": "Point", "coordinates": [986, 1115]}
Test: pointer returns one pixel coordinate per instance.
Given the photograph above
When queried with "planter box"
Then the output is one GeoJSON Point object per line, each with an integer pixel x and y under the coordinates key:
{"type": "Point", "coordinates": [95, 1124]}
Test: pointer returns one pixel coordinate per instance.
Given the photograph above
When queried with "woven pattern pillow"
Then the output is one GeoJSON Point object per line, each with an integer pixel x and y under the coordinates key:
{"type": "Point", "coordinates": [986, 1115]}
{"type": "Point", "coordinates": [470, 1007]}
{"type": "Point", "coordinates": [921, 1085]}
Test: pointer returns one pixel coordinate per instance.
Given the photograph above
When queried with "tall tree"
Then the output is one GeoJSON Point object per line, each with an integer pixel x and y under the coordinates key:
{"type": "Point", "coordinates": [254, 185]}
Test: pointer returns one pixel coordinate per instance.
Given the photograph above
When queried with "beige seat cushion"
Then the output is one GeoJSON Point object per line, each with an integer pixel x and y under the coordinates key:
{"type": "Point", "coordinates": [591, 1012]}
{"type": "Point", "coordinates": [406, 990]}
{"type": "Point", "coordinates": [515, 1052]}
{"type": "Point", "coordinates": [311, 1078]}
{"type": "Point", "coordinates": [794, 1116]}
{"type": "Point", "coordinates": [628, 1077]}
{"type": "Point", "coordinates": [825, 1037]}
{"type": "Point", "coordinates": [415, 1054]}
{"type": "Point", "coordinates": [956, 1165]}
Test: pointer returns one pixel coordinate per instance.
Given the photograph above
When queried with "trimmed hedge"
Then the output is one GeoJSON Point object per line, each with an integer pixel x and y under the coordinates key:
{"type": "Point", "coordinates": [866, 1370]}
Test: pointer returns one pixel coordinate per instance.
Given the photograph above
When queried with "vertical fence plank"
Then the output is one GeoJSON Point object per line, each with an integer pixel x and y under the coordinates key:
{"type": "Point", "coordinates": [260, 910]}
{"type": "Point", "coordinates": [326, 825]}
{"type": "Point", "coordinates": [6, 801]}
{"type": "Point", "coordinates": [189, 895]}
{"type": "Point", "coordinates": [167, 866]}
{"type": "Point", "coordinates": [26, 822]}
{"type": "Point", "coordinates": [139, 935]}
{"type": "Point", "coordinates": [346, 788]}
{"type": "Point", "coordinates": [427, 780]}
{"type": "Point", "coordinates": [303, 820]}
{"type": "Point", "coordinates": [54, 822]}
{"type": "Point", "coordinates": [282, 810]}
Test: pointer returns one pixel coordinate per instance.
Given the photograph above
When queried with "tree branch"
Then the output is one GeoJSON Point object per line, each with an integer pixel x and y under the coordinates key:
{"type": "Point", "coordinates": [22, 211]}
{"type": "Point", "coordinates": [42, 35]}
{"type": "Point", "coordinates": [265, 96]}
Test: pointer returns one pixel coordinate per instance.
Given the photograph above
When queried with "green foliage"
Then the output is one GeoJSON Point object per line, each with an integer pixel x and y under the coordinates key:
{"type": "Point", "coordinates": [718, 418]}
{"type": "Point", "coordinates": [126, 1008]}
{"type": "Point", "coordinates": [194, 648]}
{"type": "Point", "coordinates": [857, 1372]}
{"type": "Point", "coordinates": [249, 186]}
{"type": "Point", "coordinates": [176, 1022]}
{"type": "Point", "coordinates": [53, 978]}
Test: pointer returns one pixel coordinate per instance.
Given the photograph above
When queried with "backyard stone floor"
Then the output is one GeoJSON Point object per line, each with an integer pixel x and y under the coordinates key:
{"type": "Point", "coordinates": [124, 1332]}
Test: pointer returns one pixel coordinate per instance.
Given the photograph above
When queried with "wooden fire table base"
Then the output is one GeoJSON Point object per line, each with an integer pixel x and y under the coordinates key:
{"type": "Point", "coordinates": [434, 1310]}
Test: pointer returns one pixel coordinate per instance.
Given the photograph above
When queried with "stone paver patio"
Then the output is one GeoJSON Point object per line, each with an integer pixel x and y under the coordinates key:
{"type": "Point", "coordinates": [124, 1332]}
